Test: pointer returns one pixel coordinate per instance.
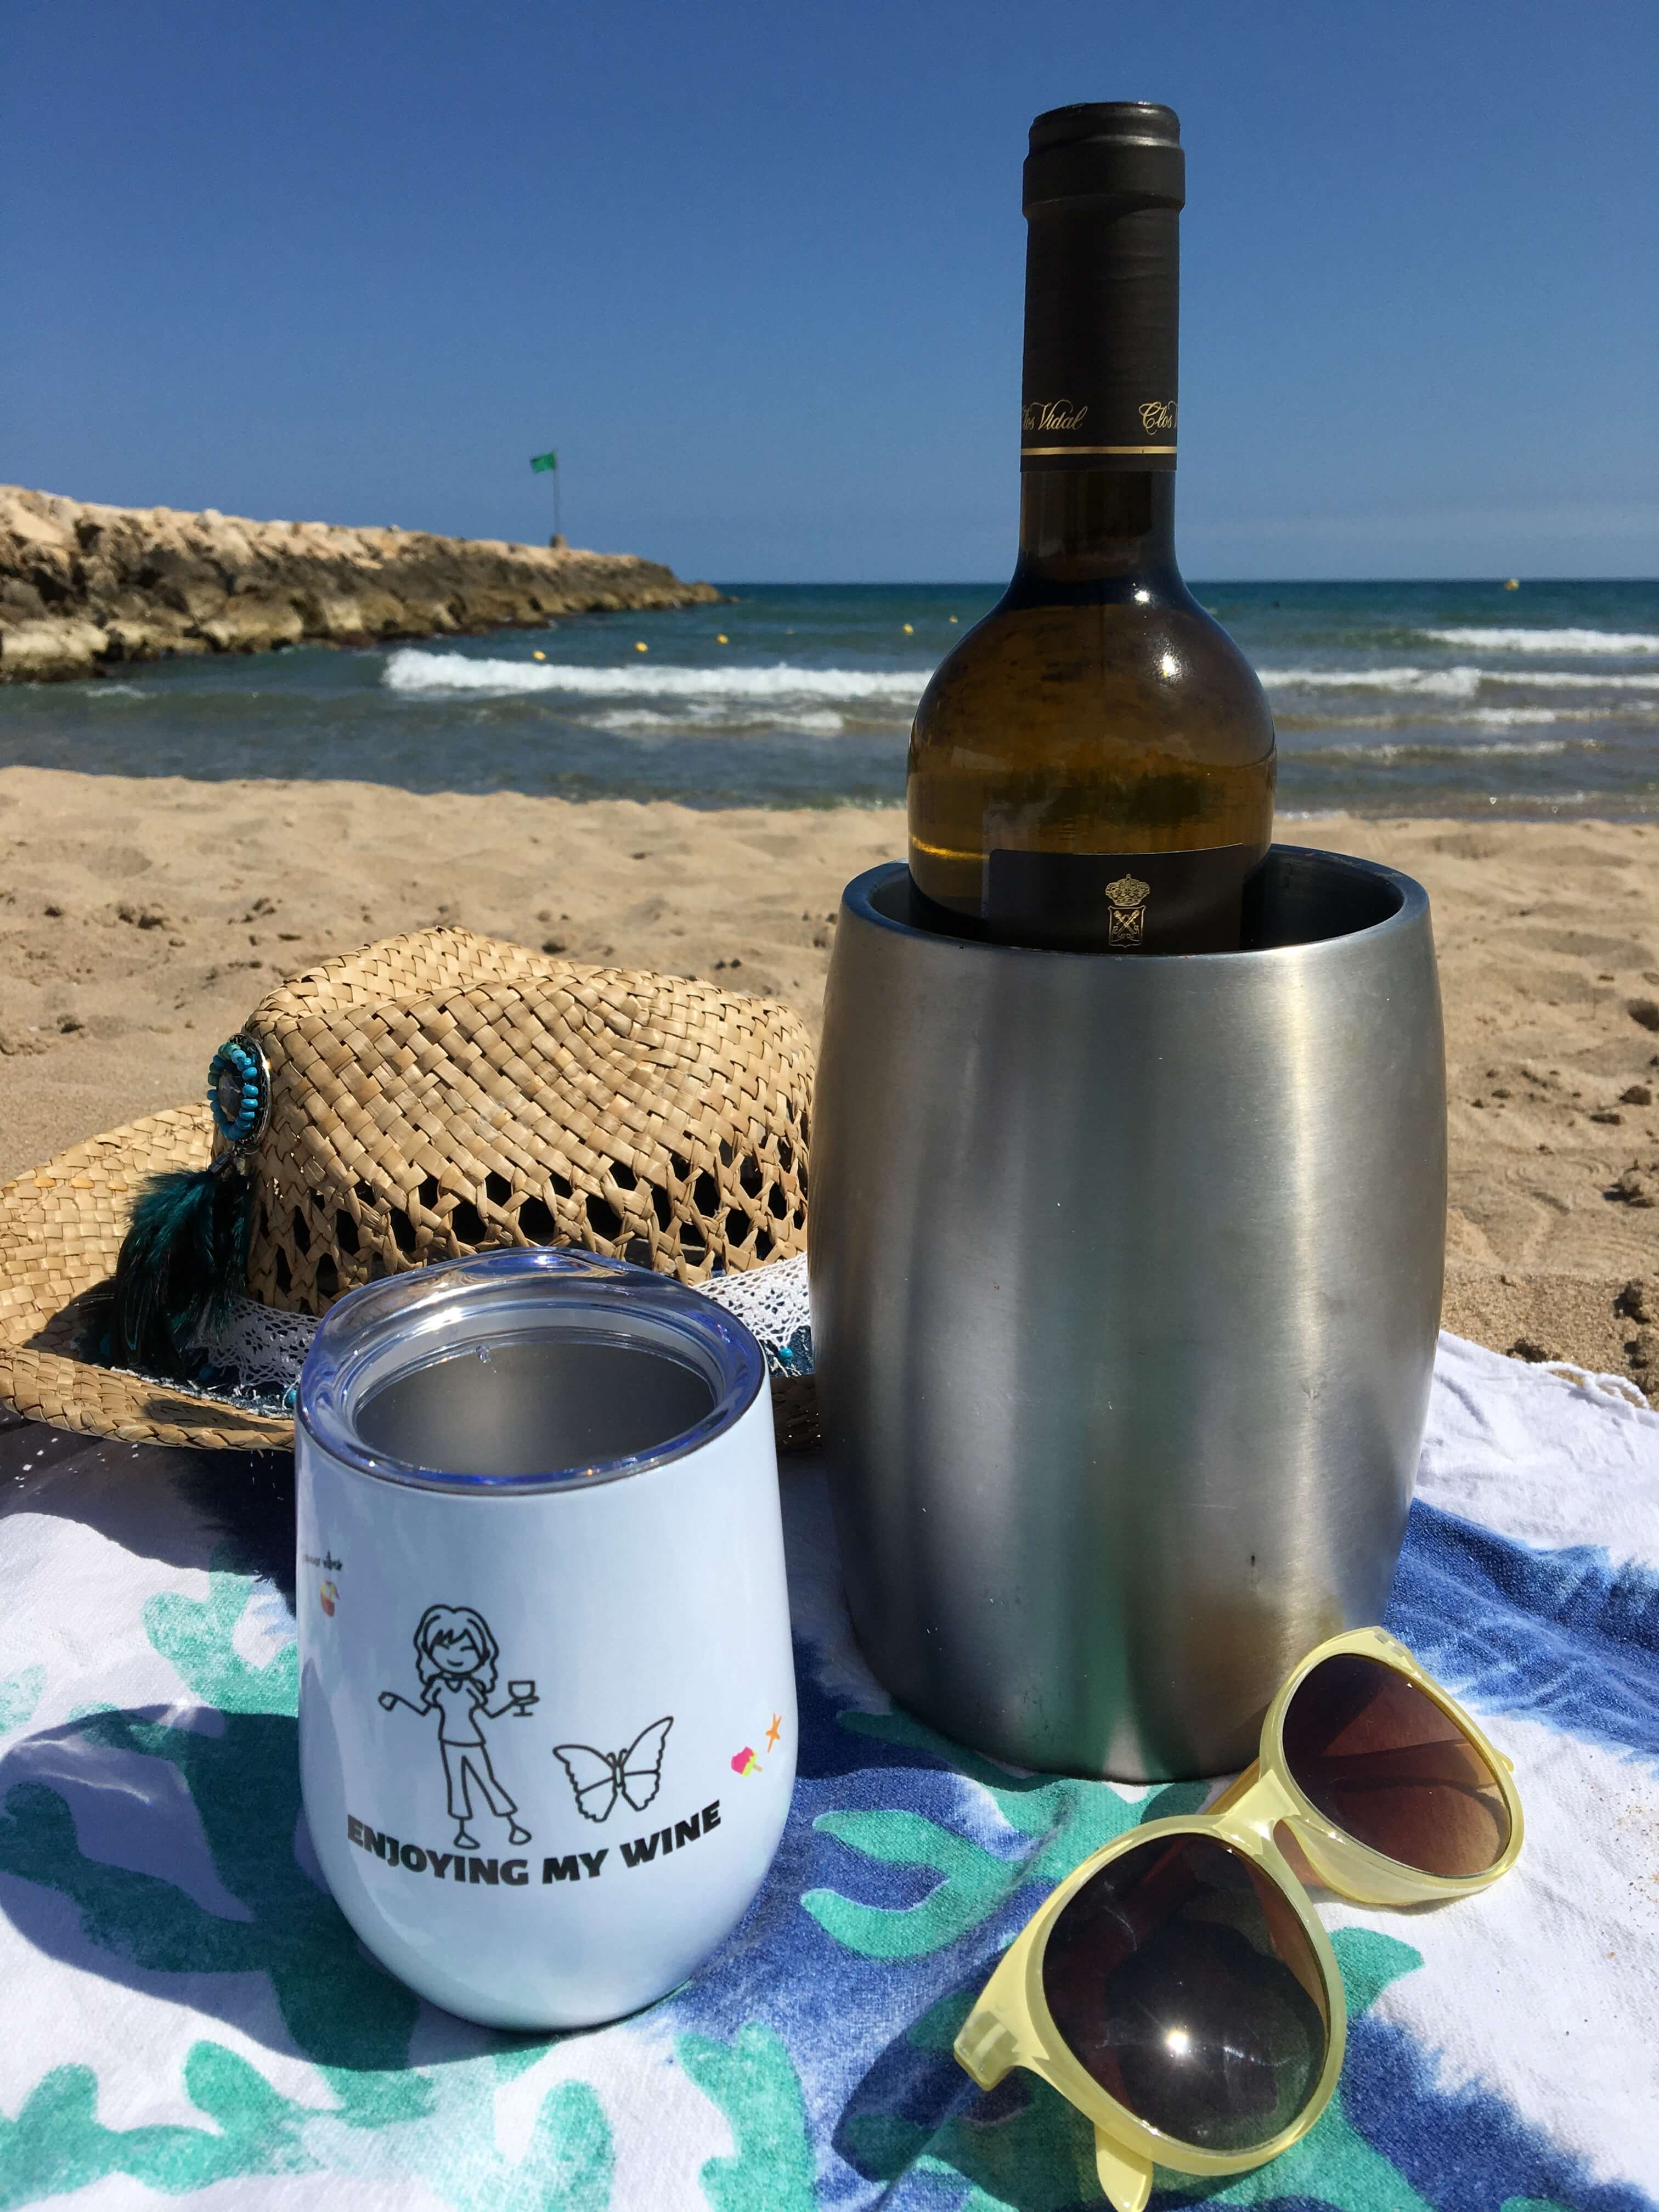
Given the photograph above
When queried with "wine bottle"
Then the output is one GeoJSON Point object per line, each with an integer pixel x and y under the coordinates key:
{"type": "Point", "coordinates": [1091, 767]}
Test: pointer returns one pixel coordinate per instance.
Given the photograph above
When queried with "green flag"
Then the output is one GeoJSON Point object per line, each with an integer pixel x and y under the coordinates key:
{"type": "Point", "coordinates": [540, 463]}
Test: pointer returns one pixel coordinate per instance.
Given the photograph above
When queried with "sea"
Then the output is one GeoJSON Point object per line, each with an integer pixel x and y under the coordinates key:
{"type": "Point", "coordinates": [1389, 698]}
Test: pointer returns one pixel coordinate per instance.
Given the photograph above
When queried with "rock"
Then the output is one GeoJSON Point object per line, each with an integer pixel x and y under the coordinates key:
{"type": "Point", "coordinates": [84, 586]}
{"type": "Point", "coordinates": [254, 623]}
{"type": "Point", "coordinates": [48, 652]}
{"type": "Point", "coordinates": [1645, 1010]}
{"type": "Point", "coordinates": [1637, 1185]}
{"type": "Point", "coordinates": [1637, 1094]}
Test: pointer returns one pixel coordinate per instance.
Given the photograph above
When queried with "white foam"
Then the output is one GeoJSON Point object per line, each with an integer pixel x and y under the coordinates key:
{"type": "Point", "coordinates": [1565, 680]}
{"type": "Point", "coordinates": [1522, 748]}
{"type": "Point", "coordinates": [646, 722]}
{"type": "Point", "coordinates": [1515, 717]}
{"type": "Point", "coordinates": [1450, 719]}
{"type": "Point", "coordinates": [1548, 641]}
{"type": "Point", "coordinates": [1463, 682]}
{"type": "Point", "coordinates": [411, 672]}
{"type": "Point", "coordinates": [1431, 683]}
{"type": "Point", "coordinates": [1562, 679]}
{"type": "Point", "coordinates": [1495, 749]}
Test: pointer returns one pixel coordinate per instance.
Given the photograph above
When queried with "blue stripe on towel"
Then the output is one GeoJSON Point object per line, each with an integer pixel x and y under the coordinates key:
{"type": "Point", "coordinates": [1463, 2150]}
{"type": "Point", "coordinates": [1565, 1637]}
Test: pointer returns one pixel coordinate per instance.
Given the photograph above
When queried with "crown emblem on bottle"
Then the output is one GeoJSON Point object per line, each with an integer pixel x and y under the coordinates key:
{"type": "Point", "coordinates": [1126, 922]}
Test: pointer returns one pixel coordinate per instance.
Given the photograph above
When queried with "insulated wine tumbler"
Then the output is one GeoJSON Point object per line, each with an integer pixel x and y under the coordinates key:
{"type": "Point", "coordinates": [547, 1710]}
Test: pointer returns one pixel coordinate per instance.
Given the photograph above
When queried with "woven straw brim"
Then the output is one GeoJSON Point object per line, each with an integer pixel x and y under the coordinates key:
{"type": "Point", "coordinates": [61, 1227]}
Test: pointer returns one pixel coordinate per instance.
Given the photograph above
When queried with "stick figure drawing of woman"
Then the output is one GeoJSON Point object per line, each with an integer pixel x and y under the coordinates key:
{"type": "Point", "coordinates": [455, 1658]}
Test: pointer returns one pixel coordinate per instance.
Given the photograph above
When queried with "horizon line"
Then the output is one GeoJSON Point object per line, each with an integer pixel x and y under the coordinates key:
{"type": "Point", "coordinates": [1230, 583]}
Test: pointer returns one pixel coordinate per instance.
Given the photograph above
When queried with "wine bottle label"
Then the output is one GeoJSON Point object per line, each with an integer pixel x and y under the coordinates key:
{"type": "Point", "coordinates": [1120, 901]}
{"type": "Point", "coordinates": [1099, 386]}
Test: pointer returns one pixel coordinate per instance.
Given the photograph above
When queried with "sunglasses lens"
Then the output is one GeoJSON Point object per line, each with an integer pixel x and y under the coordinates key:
{"type": "Point", "coordinates": [1182, 1981]}
{"type": "Point", "coordinates": [1382, 1762]}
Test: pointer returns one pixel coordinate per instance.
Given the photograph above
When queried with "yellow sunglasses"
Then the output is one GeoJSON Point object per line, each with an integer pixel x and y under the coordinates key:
{"type": "Point", "coordinates": [1178, 1987]}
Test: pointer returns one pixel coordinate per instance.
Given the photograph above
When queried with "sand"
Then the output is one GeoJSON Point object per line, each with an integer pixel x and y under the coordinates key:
{"type": "Point", "coordinates": [141, 918]}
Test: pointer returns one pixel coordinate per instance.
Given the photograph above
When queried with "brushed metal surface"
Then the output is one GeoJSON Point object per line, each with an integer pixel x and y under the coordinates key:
{"type": "Point", "coordinates": [1125, 1278]}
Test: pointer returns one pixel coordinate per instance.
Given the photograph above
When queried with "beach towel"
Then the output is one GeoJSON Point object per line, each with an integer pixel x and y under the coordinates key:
{"type": "Point", "coordinates": [187, 2015]}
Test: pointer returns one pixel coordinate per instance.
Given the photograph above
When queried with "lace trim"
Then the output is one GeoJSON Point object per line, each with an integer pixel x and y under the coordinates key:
{"type": "Point", "coordinates": [253, 1356]}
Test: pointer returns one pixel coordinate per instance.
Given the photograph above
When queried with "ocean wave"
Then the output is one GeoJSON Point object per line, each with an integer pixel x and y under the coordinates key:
{"type": "Point", "coordinates": [1463, 682]}
{"type": "Point", "coordinates": [1430, 683]}
{"type": "Point", "coordinates": [647, 722]}
{"type": "Point", "coordinates": [1386, 755]}
{"type": "Point", "coordinates": [1515, 718]}
{"type": "Point", "coordinates": [431, 673]}
{"type": "Point", "coordinates": [1450, 718]}
{"type": "Point", "coordinates": [1548, 641]}
{"type": "Point", "coordinates": [1562, 679]}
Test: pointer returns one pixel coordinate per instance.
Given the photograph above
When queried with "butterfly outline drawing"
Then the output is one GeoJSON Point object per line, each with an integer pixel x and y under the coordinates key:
{"type": "Point", "coordinates": [634, 1772]}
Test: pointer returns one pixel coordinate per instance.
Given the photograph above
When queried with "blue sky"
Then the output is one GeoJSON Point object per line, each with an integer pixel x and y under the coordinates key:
{"type": "Point", "coordinates": [755, 270]}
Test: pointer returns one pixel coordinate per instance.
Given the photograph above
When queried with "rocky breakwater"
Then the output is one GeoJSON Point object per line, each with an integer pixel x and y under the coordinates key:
{"type": "Point", "coordinates": [84, 588]}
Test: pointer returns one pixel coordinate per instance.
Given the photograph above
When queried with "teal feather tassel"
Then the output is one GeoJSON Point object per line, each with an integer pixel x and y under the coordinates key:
{"type": "Point", "coordinates": [184, 1255]}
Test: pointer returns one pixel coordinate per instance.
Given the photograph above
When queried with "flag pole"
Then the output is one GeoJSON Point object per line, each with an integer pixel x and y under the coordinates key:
{"type": "Point", "coordinates": [548, 464]}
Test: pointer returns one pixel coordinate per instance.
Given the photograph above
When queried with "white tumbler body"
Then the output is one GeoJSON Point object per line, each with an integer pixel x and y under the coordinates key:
{"type": "Point", "coordinates": [547, 1728]}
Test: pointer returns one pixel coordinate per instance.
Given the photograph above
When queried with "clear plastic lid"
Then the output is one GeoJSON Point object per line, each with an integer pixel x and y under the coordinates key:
{"type": "Point", "coordinates": [516, 1372]}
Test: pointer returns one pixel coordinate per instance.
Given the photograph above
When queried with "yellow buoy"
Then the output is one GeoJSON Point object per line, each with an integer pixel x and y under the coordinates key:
{"type": "Point", "coordinates": [1511, 583]}
{"type": "Point", "coordinates": [953, 617]}
{"type": "Point", "coordinates": [909, 629]}
{"type": "Point", "coordinates": [642, 646]}
{"type": "Point", "coordinates": [722, 639]}
{"type": "Point", "coordinates": [538, 656]}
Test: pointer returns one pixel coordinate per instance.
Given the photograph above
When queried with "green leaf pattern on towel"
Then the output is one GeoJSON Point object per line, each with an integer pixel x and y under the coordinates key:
{"type": "Point", "coordinates": [754, 2084]}
{"type": "Point", "coordinates": [380, 2119]}
{"type": "Point", "coordinates": [57, 2142]}
{"type": "Point", "coordinates": [19, 1696]}
{"type": "Point", "coordinates": [199, 1639]}
{"type": "Point", "coordinates": [1070, 1818]}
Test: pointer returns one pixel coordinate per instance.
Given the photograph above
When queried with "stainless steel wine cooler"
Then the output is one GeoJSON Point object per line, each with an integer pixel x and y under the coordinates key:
{"type": "Point", "coordinates": [1125, 1278]}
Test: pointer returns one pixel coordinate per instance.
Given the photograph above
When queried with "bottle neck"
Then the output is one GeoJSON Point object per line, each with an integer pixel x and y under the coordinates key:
{"type": "Point", "coordinates": [1099, 405]}
{"type": "Point", "coordinates": [1102, 314]}
{"type": "Point", "coordinates": [1098, 526]}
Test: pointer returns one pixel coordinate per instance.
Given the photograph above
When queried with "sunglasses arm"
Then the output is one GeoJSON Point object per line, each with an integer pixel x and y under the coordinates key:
{"type": "Point", "coordinates": [1126, 2181]}
{"type": "Point", "coordinates": [985, 2048]}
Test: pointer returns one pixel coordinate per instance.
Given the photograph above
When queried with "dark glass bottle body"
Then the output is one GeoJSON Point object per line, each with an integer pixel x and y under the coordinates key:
{"type": "Point", "coordinates": [1097, 715]}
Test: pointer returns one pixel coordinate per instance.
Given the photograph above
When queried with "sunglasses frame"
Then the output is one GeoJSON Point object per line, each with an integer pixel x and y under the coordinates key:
{"type": "Point", "coordinates": [1011, 2024]}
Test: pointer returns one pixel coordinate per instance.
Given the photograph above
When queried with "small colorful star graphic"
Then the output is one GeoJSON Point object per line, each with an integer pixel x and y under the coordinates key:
{"type": "Point", "coordinates": [774, 1732]}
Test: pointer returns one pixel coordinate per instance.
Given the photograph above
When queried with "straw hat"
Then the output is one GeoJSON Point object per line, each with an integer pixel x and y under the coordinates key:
{"type": "Point", "coordinates": [431, 1096]}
